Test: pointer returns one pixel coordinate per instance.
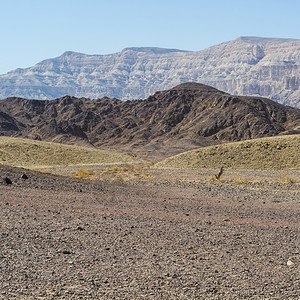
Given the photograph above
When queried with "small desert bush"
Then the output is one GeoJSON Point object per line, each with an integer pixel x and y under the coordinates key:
{"type": "Point", "coordinates": [240, 180]}
{"type": "Point", "coordinates": [125, 173]}
{"type": "Point", "coordinates": [138, 169]}
{"type": "Point", "coordinates": [116, 169]}
{"type": "Point", "coordinates": [39, 170]}
{"type": "Point", "coordinates": [213, 178]}
{"type": "Point", "coordinates": [150, 163]}
{"type": "Point", "coordinates": [286, 179]}
{"type": "Point", "coordinates": [84, 174]}
{"type": "Point", "coordinates": [218, 176]}
{"type": "Point", "coordinates": [120, 170]}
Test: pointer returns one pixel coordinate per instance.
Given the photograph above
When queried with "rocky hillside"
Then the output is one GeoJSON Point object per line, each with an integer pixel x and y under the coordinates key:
{"type": "Point", "coordinates": [188, 116]}
{"type": "Point", "coordinates": [265, 67]}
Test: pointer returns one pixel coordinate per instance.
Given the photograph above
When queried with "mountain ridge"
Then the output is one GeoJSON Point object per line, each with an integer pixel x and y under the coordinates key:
{"type": "Point", "coordinates": [188, 116]}
{"type": "Point", "coordinates": [268, 67]}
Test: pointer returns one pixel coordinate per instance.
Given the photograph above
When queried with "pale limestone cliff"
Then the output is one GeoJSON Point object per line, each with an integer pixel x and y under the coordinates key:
{"type": "Point", "coordinates": [246, 66]}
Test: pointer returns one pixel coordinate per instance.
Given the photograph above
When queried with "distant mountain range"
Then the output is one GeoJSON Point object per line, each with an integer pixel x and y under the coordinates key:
{"type": "Point", "coordinates": [185, 117]}
{"type": "Point", "coordinates": [267, 67]}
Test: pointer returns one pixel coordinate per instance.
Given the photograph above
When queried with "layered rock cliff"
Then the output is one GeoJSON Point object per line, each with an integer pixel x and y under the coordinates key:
{"type": "Point", "coordinates": [266, 67]}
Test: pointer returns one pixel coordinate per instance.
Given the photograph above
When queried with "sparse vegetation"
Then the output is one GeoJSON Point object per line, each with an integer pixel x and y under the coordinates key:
{"type": "Point", "coordinates": [240, 180]}
{"type": "Point", "coordinates": [39, 170]}
{"type": "Point", "coordinates": [37, 154]}
{"type": "Point", "coordinates": [213, 178]}
{"type": "Point", "coordinates": [287, 179]}
{"type": "Point", "coordinates": [122, 170]}
{"type": "Point", "coordinates": [126, 173]}
{"type": "Point", "coordinates": [150, 163]}
{"type": "Point", "coordinates": [84, 174]}
{"type": "Point", "coordinates": [275, 153]}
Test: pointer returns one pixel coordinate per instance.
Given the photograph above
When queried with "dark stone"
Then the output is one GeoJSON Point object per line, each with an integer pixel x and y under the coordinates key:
{"type": "Point", "coordinates": [24, 176]}
{"type": "Point", "coordinates": [7, 180]}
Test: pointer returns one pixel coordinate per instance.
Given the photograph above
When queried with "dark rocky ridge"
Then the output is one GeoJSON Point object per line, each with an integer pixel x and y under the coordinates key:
{"type": "Point", "coordinates": [188, 116]}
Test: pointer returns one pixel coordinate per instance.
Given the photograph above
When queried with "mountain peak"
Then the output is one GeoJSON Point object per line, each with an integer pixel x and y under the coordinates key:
{"type": "Point", "coordinates": [154, 50]}
{"type": "Point", "coordinates": [264, 40]}
{"type": "Point", "coordinates": [194, 86]}
{"type": "Point", "coordinates": [70, 53]}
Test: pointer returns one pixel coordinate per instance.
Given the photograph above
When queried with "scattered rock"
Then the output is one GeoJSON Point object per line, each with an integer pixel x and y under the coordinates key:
{"type": "Point", "coordinates": [167, 254]}
{"type": "Point", "coordinates": [24, 176]}
{"type": "Point", "coordinates": [7, 180]}
{"type": "Point", "coordinates": [290, 263]}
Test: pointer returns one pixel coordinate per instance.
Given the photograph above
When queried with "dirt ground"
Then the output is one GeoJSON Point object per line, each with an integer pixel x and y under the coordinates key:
{"type": "Point", "coordinates": [173, 235]}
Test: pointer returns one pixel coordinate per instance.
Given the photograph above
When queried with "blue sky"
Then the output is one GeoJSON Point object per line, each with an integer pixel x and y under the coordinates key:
{"type": "Point", "coordinates": [33, 30]}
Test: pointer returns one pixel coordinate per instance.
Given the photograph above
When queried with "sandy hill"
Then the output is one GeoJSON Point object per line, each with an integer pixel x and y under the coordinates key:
{"type": "Point", "coordinates": [273, 153]}
{"type": "Point", "coordinates": [33, 154]}
{"type": "Point", "coordinates": [169, 122]}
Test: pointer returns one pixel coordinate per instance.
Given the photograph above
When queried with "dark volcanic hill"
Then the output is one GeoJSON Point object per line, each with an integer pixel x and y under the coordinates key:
{"type": "Point", "coordinates": [188, 116]}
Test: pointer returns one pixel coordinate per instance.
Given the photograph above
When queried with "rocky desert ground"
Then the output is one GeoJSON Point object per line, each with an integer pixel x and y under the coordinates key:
{"type": "Point", "coordinates": [191, 193]}
{"type": "Point", "coordinates": [169, 235]}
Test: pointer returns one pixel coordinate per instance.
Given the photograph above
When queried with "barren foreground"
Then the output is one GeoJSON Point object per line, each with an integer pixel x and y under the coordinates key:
{"type": "Point", "coordinates": [69, 238]}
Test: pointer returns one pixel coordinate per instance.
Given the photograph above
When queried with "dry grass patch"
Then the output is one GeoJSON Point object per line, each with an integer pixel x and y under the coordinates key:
{"type": "Point", "coordinates": [84, 174]}
{"type": "Point", "coordinates": [126, 173]}
{"type": "Point", "coordinates": [240, 180]}
{"type": "Point", "coordinates": [287, 179]}
{"type": "Point", "coordinates": [37, 154]}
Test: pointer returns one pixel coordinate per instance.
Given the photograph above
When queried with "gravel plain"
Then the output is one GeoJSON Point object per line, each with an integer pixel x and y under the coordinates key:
{"type": "Point", "coordinates": [69, 238]}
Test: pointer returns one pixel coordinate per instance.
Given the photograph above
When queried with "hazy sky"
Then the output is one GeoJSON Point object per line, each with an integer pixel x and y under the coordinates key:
{"type": "Point", "coordinates": [33, 30]}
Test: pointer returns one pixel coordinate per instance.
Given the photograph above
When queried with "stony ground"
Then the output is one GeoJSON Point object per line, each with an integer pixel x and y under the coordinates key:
{"type": "Point", "coordinates": [66, 238]}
